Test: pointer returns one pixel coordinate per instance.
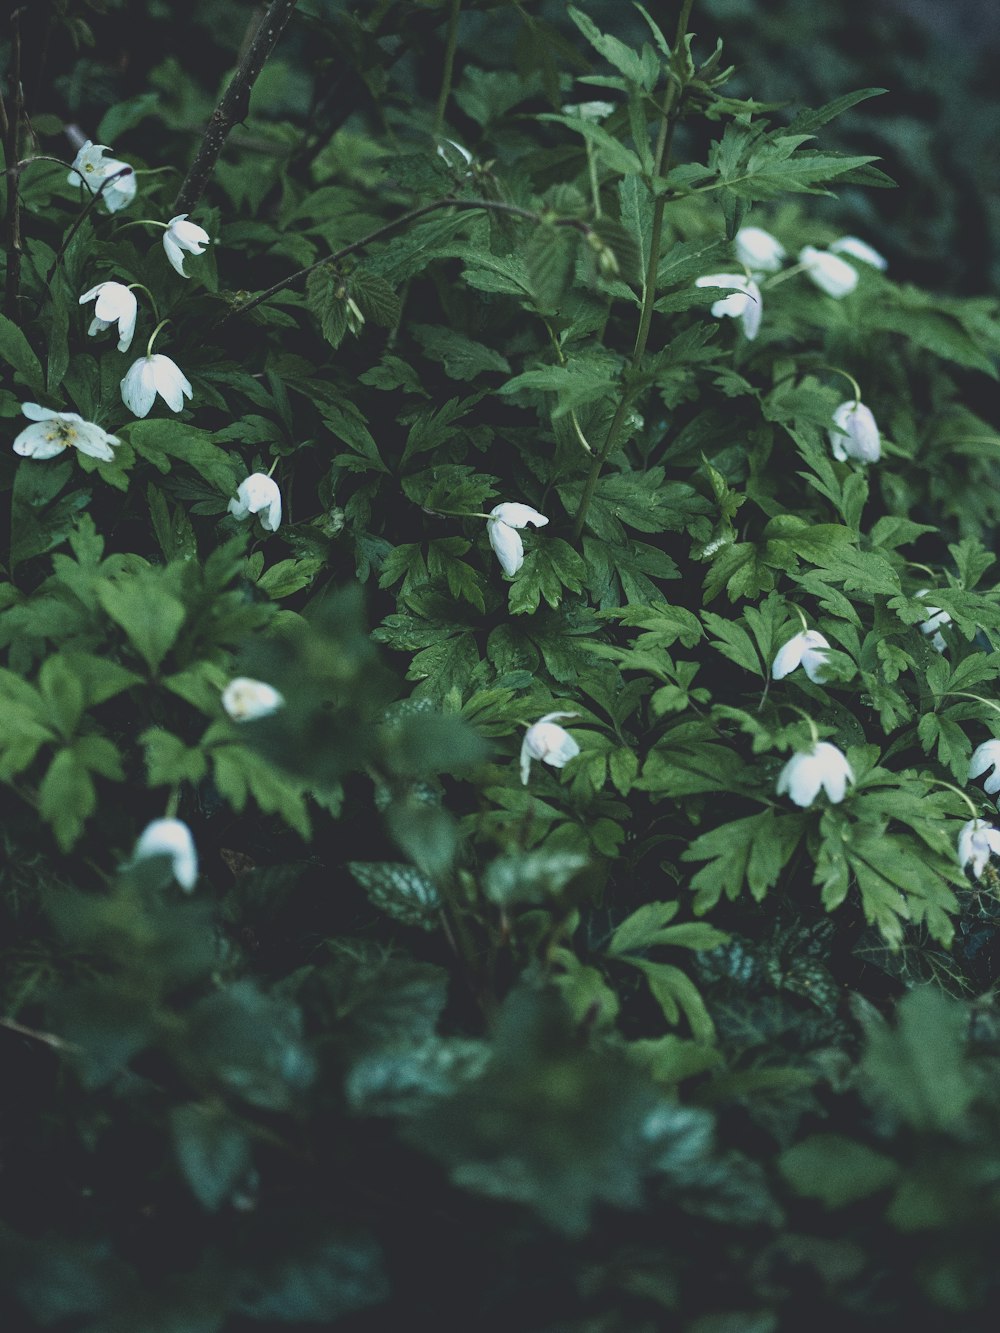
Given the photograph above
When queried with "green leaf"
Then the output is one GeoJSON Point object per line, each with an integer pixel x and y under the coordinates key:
{"type": "Point", "coordinates": [400, 891]}
{"type": "Point", "coordinates": [918, 1071]}
{"type": "Point", "coordinates": [677, 994]}
{"type": "Point", "coordinates": [550, 567]}
{"type": "Point", "coordinates": [836, 1170]}
{"type": "Point", "coordinates": [751, 851]}
{"type": "Point", "coordinates": [212, 1150]}
{"type": "Point", "coordinates": [462, 358]}
{"type": "Point", "coordinates": [322, 1280]}
{"type": "Point", "coordinates": [531, 877]}
{"type": "Point", "coordinates": [160, 441]}
{"type": "Point", "coordinates": [169, 761]}
{"type": "Point", "coordinates": [16, 352]}
{"type": "Point", "coordinates": [66, 797]}
{"type": "Point", "coordinates": [149, 615]}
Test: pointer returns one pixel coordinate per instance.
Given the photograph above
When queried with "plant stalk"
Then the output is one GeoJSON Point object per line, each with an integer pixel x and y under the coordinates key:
{"type": "Point", "coordinates": [451, 41]}
{"type": "Point", "coordinates": [235, 104]}
{"type": "Point", "coordinates": [12, 222]}
{"type": "Point", "coordinates": [661, 162]}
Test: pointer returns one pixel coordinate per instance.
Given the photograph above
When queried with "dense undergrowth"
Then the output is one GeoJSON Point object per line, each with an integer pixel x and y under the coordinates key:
{"type": "Point", "coordinates": [499, 635]}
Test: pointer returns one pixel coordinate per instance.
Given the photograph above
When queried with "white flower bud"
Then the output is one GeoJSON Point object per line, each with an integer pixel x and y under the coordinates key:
{"type": "Point", "coordinates": [170, 837]}
{"type": "Point", "coordinates": [246, 700]}
{"type": "Point", "coordinates": [759, 250]}
{"type": "Point", "coordinates": [830, 273]}
{"type": "Point", "coordinates": [258, 495]}
{"type": "Point", "coordinates": [977, 842]}
{"type": "Point", "coordinates": [823, 765]}
{"type": "Point", "coordinates": [549, 742]}
{"type": "Point", "coordinates": [857, 436]}
{"type": "Point", "coordinates": [807, 649]}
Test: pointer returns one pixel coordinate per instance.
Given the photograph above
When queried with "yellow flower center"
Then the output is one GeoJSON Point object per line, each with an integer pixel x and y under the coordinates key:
{"type": "Point", "coordinates": [61, 431]}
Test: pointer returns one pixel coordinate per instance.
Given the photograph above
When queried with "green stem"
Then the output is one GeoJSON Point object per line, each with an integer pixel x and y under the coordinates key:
{"type": "Point", "coordinates": [152, 336]}
{"type": "Point", "coordinates": [661, 164]}
{"type": "Point", "coordinates": [451, 42]}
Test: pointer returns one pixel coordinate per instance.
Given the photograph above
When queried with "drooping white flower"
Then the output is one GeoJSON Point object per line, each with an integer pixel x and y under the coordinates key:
{"type": "Point", "coordinates": [859, 249]}
{"type": "Point", "coordinates": [986, 756]}
{"type": "Point", "coordinates": [857, 436]}
{"type": "Point", "coordinates": [936, 618]}
{"type": "Point", "coordinates": [821, 766]}
{"type": "Point", "coordinates": [258, 495]}
{"type": "Point", "coordinates": [447, 150]}
{"type": "Point", "coordinates": [115, 305]}
{"type": "Point", "coordinates": [92, 168]}
{"type": "Point", "coordinates": [170, 837]}
{"type": "Point", "coordinates": [759, 250]}
{"type": "Point", "coordinates": [833, 275]}
{"type": "Point", "coordinates": [977, 842]}
{"type": "Point", "coordinates": [743, 303]}
{"type": "Point", "coordinates": [246, 699]}
{"type": "Point", "coordinates": [56, 431]}
{"type": "Point", "coordinates": [501, 528]}
{"type": "Point", "coordinates": [592, 111]}
{"type": "Point", "coordinates": [152, 375]}
{"type": "Point", "coordinates": [182, 235]}
{"type": "Point", "coordinates": [806, 649]}
{"type": "Point", "coordinates": [549, 742]}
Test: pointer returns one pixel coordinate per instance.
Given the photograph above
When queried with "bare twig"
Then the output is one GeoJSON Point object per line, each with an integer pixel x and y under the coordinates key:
{"type": "Point", "coordinates": [12, 227]}
{"type": "Point", "coordinates": [49, 1038]}
{"type": "Point", "coordinates": [235, 105]}
{"type": "Point", "coordinates": [462, 205]}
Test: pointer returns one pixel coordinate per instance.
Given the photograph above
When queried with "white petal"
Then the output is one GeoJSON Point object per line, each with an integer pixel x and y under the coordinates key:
{"type": "Point", "coordinates": [859, 249]}
{"type": "Point", "coordinates": [526, 757]}
{"type": "Point", "coordinates": [758, 249]}
{"type": "Point", "coordinates": [170, 383]}
{"type": "Point", "coordinates": [36, 413]}
{"type": "Point", "coordinates": [34, 442]}
{"type": "Point", "coordinates": [170, 837]}
{"type": "Point", "coordinates": [139, 387]}
{"type": "Point", "coordinates": [753, 312]}
{"type": "Point", "coordinates": [788, 658]}
{"type": "Point", "coordinates": [517, 515]}
{"type": "Point", "coordinates": [174, 253]}
{"type": "Point", "coordinates": [95, 442]}
{"type": "Point", "coordinates": [799, 780]}
{"type": "Point", "coordinates": [507, 546]}
{"type": "Point", "coordinates": [246, 699]}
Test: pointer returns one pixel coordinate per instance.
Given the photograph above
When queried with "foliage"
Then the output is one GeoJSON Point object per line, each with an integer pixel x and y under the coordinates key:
{"type": "Point", "coordinates": [514, 1044]}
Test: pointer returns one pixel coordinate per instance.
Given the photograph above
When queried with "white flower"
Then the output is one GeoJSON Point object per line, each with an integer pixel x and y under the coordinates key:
{"type": "Point", "coordinates": [936, 618]}
{"type": "Point", "coordinates": [759, 250]}
{"type": "Point", "coordinates": [56, 431]}
{"type": "Point", "coordinates": [549, 742]}
{"type": "Point", "coordinates": [501, 528]}
{"type": "Point", "coordinates": [822, 766]}
{"type": "Point", "coordinates": [593, 111]}
{"type": "Point", "coordinates": [859, 249]}
{"type": "Point", "coordinates": [182, 235]}
{"type": "Point", "coordinates": [115, 305]}
{"type": "Point", "coordinates": [245, 699]}
{"type": "Point", "coordinates": [986, 756]}
{"type": "Point", "coordinates": [808, 650]}
{"type": "Point", "coordinates": [464, 156]}
{"type": "Point", "coordinates": [857, 436]}
{"type": "Point", "coordinates": [744, 304]}
{"type": "Point", "coordinates": [831, 273]}
{"type": "Point", "coordinates": [92, 168]}
{"type": "Point", "coordinates": [152, 375]}
{"type": "Point", "coordinates": [169, 837]}
{"type": "Point", "coordinates": [259, 495]}
{"type": "Point", "coordinates": [977, 841]}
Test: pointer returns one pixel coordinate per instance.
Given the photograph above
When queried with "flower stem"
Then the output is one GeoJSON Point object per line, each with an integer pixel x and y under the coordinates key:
{"type": "Point", "coordinates": [152, 336]}
{"type": "Point", "coordinates": [451, 41]}
{"type": "Point", "coordinates": [235, 104]}
{"type": "Point", "coordinates": [661, 162]}
{"type": "Point", "coordinates": [141, 287]}
{"type": "Point", "coordinates": [12, 127]}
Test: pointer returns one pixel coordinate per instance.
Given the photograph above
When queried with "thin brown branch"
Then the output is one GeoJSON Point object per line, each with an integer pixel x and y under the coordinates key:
{"type": "Point", "coordinates": [12, 222]}
{"type": "Point", "coordinates": [235, 104]}
{"type": "Point", "coordinates": [486, 205]}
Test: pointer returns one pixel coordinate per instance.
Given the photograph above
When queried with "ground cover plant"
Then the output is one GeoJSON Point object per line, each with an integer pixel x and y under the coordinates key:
{"type": "Point", "coordinates": [499, 735]}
